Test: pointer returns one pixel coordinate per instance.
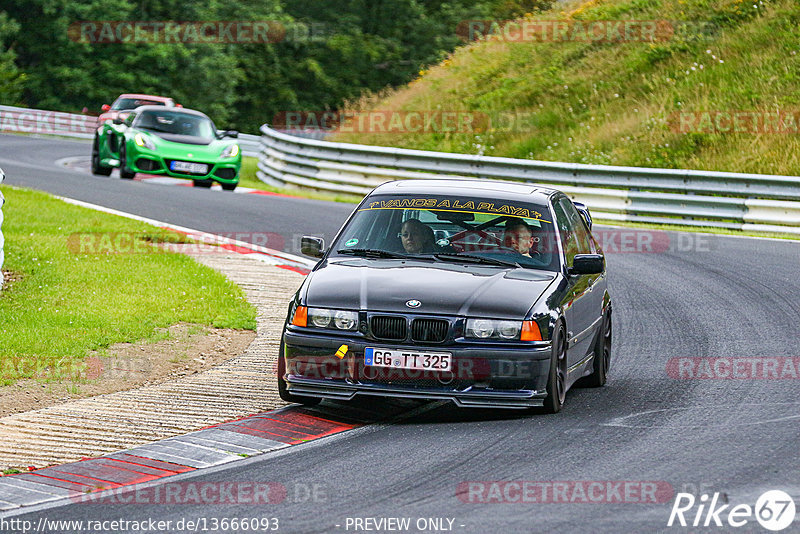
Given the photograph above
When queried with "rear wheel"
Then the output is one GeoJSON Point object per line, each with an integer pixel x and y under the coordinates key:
{"type": "Point", "coordinates": [203, 183]}
{"type": "Point", "coordinates": [283, 389]}
{"type": "Point", "coordinates": [123, 163]}
{"type": "Point", "coordinates": [557, 378]}
{"type": "Point", "coordinates": [228, 187]}
{"type": "Point", "coordinates": [602, 357]}
{"type": "Point", "coordinates": [97, 168]}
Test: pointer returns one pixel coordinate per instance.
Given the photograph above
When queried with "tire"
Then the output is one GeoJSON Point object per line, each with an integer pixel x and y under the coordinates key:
{"type": "Point", "coordinates": [123, 164]}
{"type": "Point", "coordinates": [283, 390]}
{"type": "Point", "coordinates": [229, 187]}
{"type": "Point", "coordinates": [602, 357]}
{"type": "Point", "coordinates": [203, 183]}
{"type": "Point", "coordinates": [557, 378]}
{"type": "Point", "coordinates": [97, 168]}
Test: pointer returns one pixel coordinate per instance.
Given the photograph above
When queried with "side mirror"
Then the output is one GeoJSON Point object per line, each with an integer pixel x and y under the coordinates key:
{"type": "Point", "coordinates": [231, 133]}
{"type": "Point", "coordinates": [312, 246]}
{"type": "Point", "coordinates": [105, 107]}
{"type": "Point", "coordinates": [117, 120]}
{"type": "Point", "coordinates": [587, 264]}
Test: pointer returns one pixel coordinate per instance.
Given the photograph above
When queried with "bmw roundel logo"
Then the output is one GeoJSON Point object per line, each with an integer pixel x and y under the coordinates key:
{"type": "Point", "coordinates": [413, 303]}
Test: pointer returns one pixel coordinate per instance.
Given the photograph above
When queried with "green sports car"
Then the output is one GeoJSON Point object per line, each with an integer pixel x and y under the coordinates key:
{"type": "Point", "coordinates": [176, 142]}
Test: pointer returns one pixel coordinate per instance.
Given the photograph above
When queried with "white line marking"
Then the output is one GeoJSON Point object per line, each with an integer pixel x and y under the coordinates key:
{"type": "Point", "coordinates": [290, 259]}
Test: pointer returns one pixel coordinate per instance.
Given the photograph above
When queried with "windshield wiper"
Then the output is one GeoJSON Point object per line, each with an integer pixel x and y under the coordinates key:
{"type": "Point", "coordinates": [476, 259]}
{"type": "Point", "coordinates": [371, 253]}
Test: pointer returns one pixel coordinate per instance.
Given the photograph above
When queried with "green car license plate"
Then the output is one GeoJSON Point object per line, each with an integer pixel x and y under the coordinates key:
{"type": "Point", "coordinates": [188, 166]}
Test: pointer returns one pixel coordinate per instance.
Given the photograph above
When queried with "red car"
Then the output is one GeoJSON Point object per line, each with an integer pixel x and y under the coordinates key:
{"type": "Point", "coordinates": [131, 101]}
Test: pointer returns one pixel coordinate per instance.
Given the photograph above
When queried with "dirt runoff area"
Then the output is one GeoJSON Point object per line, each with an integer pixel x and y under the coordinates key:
{"type": "Point", "coordinates": [184, 350]}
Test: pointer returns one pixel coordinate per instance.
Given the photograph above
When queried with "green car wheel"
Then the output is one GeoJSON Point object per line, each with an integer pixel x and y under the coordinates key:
{"type": "Point", "coordinates": [97, 168]}
{"type": "Point", "coordinates": [123, 167]}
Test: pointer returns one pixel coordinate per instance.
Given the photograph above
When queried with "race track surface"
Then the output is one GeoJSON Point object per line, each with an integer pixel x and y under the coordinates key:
{"type": "Point", "coordinates": [706, 296]}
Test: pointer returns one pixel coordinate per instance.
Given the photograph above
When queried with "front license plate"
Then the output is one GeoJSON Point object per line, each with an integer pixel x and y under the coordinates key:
{"type": "Point", "coordinates": [188, 166]}
{"type": "Point", "coordinates": [408, 359]}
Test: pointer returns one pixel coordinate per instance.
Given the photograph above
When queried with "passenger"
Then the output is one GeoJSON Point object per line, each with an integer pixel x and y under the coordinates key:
{"type": "Point", "coordinates": [518, 236]}
{"type": "Point", "coordinates": [417, 237]}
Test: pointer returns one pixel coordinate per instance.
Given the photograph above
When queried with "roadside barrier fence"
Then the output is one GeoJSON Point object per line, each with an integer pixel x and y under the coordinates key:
{"type": "Point", "coordinates": [736, 201]}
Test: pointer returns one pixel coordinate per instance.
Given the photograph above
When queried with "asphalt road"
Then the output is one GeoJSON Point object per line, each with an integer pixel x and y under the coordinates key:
{"type": "Point", "coordinates": [708, 297]}
{"type": "Point", "coordinates": [31, 162]}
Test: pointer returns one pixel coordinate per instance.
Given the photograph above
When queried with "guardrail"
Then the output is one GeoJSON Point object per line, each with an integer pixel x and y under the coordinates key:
{"type": "Point", "coordinates": [753, 202]}
{"type": "Point", "coordinates": [2, 239]}
{"type": "Point", "coordinates": [42, 122]}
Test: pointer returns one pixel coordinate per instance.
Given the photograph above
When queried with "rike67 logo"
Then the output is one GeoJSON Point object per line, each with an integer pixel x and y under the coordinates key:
{"type": "Point", "coordinates": [774, 510]}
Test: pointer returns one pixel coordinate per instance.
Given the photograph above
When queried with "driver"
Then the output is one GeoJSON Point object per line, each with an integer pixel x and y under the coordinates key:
{"type": "Point", "coordinates": [417, 237]}
{"type": "Point", "coordinates": [518, 236]}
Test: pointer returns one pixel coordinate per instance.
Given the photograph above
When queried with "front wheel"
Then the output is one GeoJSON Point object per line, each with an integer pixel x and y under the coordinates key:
{"type": "Point", "coordinates": [557, 378]}
{"type": "Point", "coordinates": [228, 187]}
{"type": "Point", "coordinates": [97, 167]}
{"type": "Point", "coordinates": [123, 164]}
{"type": "Point", "coordinates": [602, 357]}
{"type": "Point", "coordinates": [283, 389]}
{"type": "Point", "coordinates": [203, 183]}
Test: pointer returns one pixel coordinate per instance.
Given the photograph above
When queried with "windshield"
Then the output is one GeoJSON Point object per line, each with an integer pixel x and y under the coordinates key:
{"type": "Point", "coordinates": [133, 103]}
{"type": "Point", "coordinates": [452, 228]}
{"type": "Point", "coordinates": [175, 122]}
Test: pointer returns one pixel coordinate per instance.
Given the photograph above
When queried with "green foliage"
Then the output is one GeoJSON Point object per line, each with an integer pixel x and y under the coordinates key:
{"type": "Point", "coordinates": [333, 51]}
{"type": "Point", "coordinates": [11, 79]}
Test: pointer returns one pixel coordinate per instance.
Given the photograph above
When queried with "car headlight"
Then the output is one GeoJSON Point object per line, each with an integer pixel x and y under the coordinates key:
{"type": "Point", "coordinates": [231, 151]}
{"type": "Point", "coordinates": [325, 318]}
{"type": "Point", "coordinates": [480, 328]}
{"type": "Point", "coordinates": [503, 330]}
{"type": "Point", "coordinates": [144, 141]}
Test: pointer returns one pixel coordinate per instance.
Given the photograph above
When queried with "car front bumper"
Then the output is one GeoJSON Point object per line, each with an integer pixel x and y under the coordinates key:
{"type": "Point", "coordinates": [482, 375]}
{"type": "Point", "coordinates": [145, 160]}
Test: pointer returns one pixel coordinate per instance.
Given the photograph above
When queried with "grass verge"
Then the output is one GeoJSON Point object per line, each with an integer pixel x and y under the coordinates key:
{"type": "Point", "coordinates": [62, 304]}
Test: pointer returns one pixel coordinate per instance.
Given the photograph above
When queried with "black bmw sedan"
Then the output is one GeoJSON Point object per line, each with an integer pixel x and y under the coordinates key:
{"type": "Point", "coordinates": [489, 294]}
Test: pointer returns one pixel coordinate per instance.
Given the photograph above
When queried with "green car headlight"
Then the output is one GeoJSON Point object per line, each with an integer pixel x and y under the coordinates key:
{"type": "Point", "coordinates": [231, 151]}
{"type": "Point", "coordinates": [144, 141]}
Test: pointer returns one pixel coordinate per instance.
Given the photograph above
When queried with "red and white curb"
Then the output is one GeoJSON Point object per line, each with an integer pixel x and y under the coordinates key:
{"type": "Point", "coordinates": [215, 445]}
